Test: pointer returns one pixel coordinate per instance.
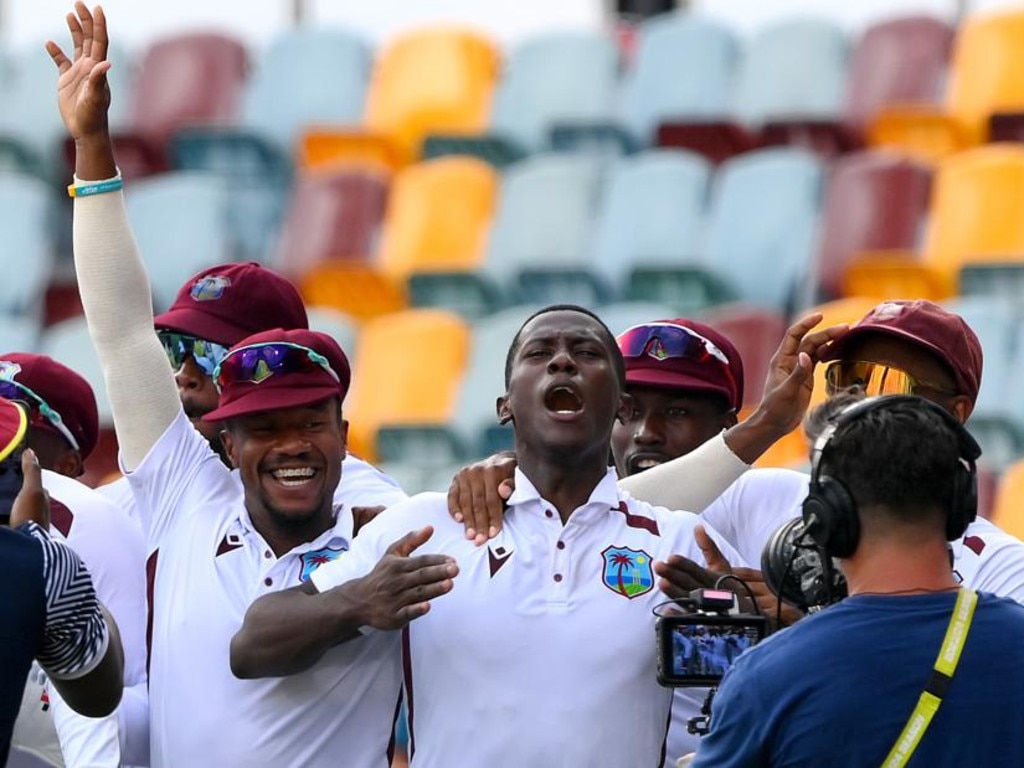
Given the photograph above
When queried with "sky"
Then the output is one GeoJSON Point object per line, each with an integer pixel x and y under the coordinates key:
{"type": "Point", "coordinates": [136, 23]}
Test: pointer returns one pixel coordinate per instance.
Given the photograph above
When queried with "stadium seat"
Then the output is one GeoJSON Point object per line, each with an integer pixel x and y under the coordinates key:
{"type": "Point", "coordinates": [19, 332]}
{"type": "Point", "coordinates": [849, 311]}
{"type": "Point", "coordinates": [333, 214]}
{"type": "Point", "coordinates": [172, 252]}
{"type": "Point", "coordinates": [408, 367]}
{"type": "Point", "coordinates": [354, 287]}
{"type": "Point", "coordinates": [763, 223]}
{"type": "Point", "coordinates": [27, 258]}
{"type": "Point", "coordinates": [651, 214]}
{"type": "Point", "coordinates": [306, 77]}
{"type": "Point", "coordinates": [894, 61]}
{"type": "Point", "coordinates": [539, 244]}
{"type": "Point", "coordinates": [435, 80]}
{"type": "Point", "coordinates": [340, 326]}
{"type": "Point", "coordinates": [683, 70]}
{"type": "Point", "coordinates": [874, 201]}
{"type": "Point", "coordinates": [756, 334]}
{"type": "Point", "coordinates": [438, 215]}
{"type": "Point", "coordinates": [790, 70]}
{"type": "Point", "coordinates": [1008, 511]}
{"type": "Point", "coordinates": [620, 316]}
{"type": "Point", "coordinates": [984, 80]}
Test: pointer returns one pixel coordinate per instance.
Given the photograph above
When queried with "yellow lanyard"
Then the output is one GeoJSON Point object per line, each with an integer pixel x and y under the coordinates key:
{"type": "Point", "coordinates": [945, 666]}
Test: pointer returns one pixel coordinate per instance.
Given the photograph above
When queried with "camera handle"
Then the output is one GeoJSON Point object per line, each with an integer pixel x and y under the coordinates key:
{"type": "Point", "coordinates": [701, 724]}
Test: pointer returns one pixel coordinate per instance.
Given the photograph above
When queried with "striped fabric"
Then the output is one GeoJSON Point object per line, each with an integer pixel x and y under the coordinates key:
{"type": "Point", "coordinates": [75, 639]}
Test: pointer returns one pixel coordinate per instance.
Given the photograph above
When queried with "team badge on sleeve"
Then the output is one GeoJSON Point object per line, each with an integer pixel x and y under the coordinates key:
{"type": "Point", "coordinates": [313, 560]}
{"type": "Point", "coordinates": [627, 572]}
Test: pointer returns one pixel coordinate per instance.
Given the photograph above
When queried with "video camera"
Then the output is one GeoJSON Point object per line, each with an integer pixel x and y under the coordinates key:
{"type": "Point", "coordinates": [697, 644]}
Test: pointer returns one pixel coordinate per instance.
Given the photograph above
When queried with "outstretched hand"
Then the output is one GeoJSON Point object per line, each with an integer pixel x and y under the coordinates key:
{"type": "Point", "coordinates": [400, 587]}
{"type": "Point", "coordinates": [32, 504]}
{"type": "Point", "coordinates": [82, 92]}
{"type": "Point", "coordinates": [678, 576]}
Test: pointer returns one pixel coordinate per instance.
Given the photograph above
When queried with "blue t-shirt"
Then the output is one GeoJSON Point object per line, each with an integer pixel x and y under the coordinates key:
{"type": "Point", "coordinates": [836, 689]}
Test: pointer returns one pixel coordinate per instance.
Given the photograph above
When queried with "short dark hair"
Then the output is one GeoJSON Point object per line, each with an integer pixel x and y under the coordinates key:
{"type": "Point", "coordinates": [613, 345]}
{"type": "Point", "coordinates": [902, 457]}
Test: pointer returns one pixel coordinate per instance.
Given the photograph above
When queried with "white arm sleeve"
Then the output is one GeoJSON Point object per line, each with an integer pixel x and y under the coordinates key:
{"type": "Point", "coordinates": [690, 482]}
{"type": "Point", "coordinates": [118, 306]}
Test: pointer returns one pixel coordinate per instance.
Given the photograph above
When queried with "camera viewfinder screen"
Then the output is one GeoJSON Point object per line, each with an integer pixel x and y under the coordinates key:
{"type": "Point", "coordinates": [707, 651]}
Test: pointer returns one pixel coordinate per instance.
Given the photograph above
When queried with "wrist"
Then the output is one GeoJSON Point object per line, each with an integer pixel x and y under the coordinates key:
{"type": "Point", "coordinates": [94, 156]}
{"type": "Point", "coordinates": [347, 610]}
{"type": "Point", "coordinates": [754, 435]}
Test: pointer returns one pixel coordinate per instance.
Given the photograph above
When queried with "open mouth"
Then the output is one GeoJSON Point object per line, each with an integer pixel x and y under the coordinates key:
{"type": "Point", "coordinates": [293, 477]}
{"type": "Point", "coordinates": [563, 400]}
{"type": "Point", "coordinates": [644, 462]}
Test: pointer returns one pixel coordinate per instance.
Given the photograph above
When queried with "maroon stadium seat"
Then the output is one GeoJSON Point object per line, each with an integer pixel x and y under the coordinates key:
{"type": "Point", "coordinates": [875, 201]}
{"type": "Point", "coordinates": [334, 213]}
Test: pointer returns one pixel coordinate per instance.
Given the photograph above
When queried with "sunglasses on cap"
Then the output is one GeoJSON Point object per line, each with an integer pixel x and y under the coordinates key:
{"type": "Point", "coordinates": [257, 363]}
{"type": "Point", "coordinates": [40, 411]}
{"type": "Point", "coordinates": [179, 347]}
{"type": "Point", "coordinates": [875, 379]}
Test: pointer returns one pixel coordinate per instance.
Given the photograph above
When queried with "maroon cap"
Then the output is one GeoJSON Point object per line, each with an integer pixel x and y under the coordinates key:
{"type": "Point", "coordinates": [65, 391]}
{"type": "Point", "coordinates": [938, 330]}
{"type": "Point", "coordinates": [287, 389]}
{"type": "Point", "coordinates": [13, 425]}
{"type": "Point", "coordinates": [658, 364]}
{"type": "Point", "coordinates": [226, 303]}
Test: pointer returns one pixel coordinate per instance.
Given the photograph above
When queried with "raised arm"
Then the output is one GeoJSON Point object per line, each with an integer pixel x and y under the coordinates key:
{"type": "Point", "coordinates": [111, 277]}
{"type": "Point", "coordinates": [396, 591]}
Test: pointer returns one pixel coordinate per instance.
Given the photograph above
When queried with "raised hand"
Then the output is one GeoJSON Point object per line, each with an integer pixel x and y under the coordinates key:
{"type": "Point", "coordinates": [400, 587]}
{"type": "Point", "coordinates": [83, 95]}
{"type": "Point", "coordinates": [32, 504]}
{"type": "Point", "coordinates": [478, 493]}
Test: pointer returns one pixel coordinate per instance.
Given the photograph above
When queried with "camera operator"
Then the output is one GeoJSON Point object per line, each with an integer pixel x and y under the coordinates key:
{"type": "Point", "coordinates": [892, 482]}
{"type": "Point", "coordinates": [48, 608]}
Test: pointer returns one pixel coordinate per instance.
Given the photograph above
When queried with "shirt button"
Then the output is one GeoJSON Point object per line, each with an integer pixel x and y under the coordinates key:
{"type": "Point", "coordinates": [268, 581]}
{"type": "Point", "coordinates": [548, 513]}
{"type": "Point", "coordinates": [266, 554]}
{"type": "Point", "coordinates": [558, 577]}
{"type": "Point", "coordinates": [560, 545]}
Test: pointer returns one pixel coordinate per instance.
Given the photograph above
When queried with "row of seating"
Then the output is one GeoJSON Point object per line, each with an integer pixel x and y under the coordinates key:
{"type": "Point", "coordinates": [432, 88]}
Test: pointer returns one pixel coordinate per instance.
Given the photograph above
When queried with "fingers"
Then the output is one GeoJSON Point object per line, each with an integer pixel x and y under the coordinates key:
{"type": "Point", "coordinates": [99, 34]}
{"type": "Point", "coordinates": [86, 20]}
{"type": "Point", "coordinates": [75, 27]}
{"type": "Point", "coordinates": [32, 504]}
{"type": "Point", "coordinates": [58, 56]}
{"type": "Point", "coordinates": [506, 488]}
{"type": "Point", "coordinates": [494, 506]}
{"type": "Point", "coordinates": [680, 576]}
{"type": "Point", "coordinates": [713, 556]}
{"type": "Point", "coordinates": [813, 343]}
{"type": "Point", "coordinates": [406, 545]}
{"type": "Point", "coordinates": [790, 344]}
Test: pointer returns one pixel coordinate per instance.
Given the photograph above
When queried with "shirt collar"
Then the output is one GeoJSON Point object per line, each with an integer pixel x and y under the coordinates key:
{"type": "Point", "coordinates": [340, 532]}
{"type": "Point", "coordinates": [605, 493]}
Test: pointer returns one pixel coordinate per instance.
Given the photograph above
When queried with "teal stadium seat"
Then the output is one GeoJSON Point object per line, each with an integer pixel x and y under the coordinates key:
{"type": "Point", "coordinates": [763, 224]}
{"type": "Point", "coordinates": [180, 223]}
{"type": "Point", "coordinates": [27, 255]}
{"type": "Point", "coordinates": [338, 325]}
{"type": "Point", "coordinates": [684, 69]}
{"type": "Point", "coordinates": [649, 226]}
{"type": "Point", "coordinates": [539, 245]}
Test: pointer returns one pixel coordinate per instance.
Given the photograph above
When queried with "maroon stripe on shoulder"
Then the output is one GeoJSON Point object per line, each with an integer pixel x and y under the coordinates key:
{"type": "Point", "coordinates": [407, 672]}
{"type": "Point", "coordinates": [61, 517]}
{"type": "Point", "coordinates": [974, 543]}
{"type": "Point", "coordinates": [639, 521]}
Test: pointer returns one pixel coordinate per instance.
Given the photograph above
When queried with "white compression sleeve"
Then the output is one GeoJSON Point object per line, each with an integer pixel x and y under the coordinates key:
{"type": "Point", "coordinates": [690, 482]}
{"type": "Point", "coordinates": [116, 296]}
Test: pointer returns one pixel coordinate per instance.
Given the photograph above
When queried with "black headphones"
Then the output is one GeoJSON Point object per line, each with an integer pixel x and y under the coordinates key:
{"type": "Point", "coordinates": [829, 511]}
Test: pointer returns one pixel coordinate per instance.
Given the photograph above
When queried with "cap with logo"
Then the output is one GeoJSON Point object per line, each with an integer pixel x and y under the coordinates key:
{"type": "Point", "coordinates": [280, 369]}
{"type": "Point", "coordinates": [683, 354]}
{"type": "Point", "coordinates": [64, 392]}
{"type": "Point", "coordinates": [226, 303]}
{"type": "Point", "coordinates": [13, 425]}
{"type": "Point", "coordinates": [943, 333]}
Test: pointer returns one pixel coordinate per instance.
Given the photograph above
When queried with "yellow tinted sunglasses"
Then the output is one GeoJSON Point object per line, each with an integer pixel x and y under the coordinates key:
{"type": "Point", "coordinates": [875, 379]}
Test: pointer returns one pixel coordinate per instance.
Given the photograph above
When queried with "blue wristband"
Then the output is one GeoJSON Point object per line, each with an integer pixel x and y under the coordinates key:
{"type": "Point", "coordinates": [84, 190]}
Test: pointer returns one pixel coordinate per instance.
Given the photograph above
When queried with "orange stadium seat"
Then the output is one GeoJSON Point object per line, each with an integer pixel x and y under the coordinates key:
{"type": "Point", "coordinates": [1008, 510]}
{"type": "Point", "coordinates": [436, 80]}
{"type": "Point", "coordinates": [408, 367]}
{"type": "Point", "coordinates": [985, 79]}
{"type": "Point", "coordinates": [353, 287]}
{"type": "Point", "coordinates": [438, 216]}
{"type": "Point", "coordinates": [333, 214]}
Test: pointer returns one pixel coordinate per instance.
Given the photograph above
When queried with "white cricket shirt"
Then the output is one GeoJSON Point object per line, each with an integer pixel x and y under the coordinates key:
{"type": "Point", "coordinates": [543, 654]}
{"type": "Point", "coordinates": [211, 564]}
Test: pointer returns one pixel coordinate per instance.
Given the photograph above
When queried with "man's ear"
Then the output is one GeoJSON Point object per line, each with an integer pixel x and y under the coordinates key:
{"type": "Point", "coordinates": [228, 441]}
{"type": "Point", "coordinates": [343, 426]}
{"type": "Point", "coordinates": [729, 419]}
{"type": "Point", "coordinates": [961, 406]}
{"type": "Point", "coordinates": [625, 408]}
{"type": "Point", "coordinates": [504, 411]}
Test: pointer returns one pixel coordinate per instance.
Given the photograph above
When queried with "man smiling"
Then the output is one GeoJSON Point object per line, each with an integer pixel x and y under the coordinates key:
{"type": "Point", "coordinates": [561, 667]}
